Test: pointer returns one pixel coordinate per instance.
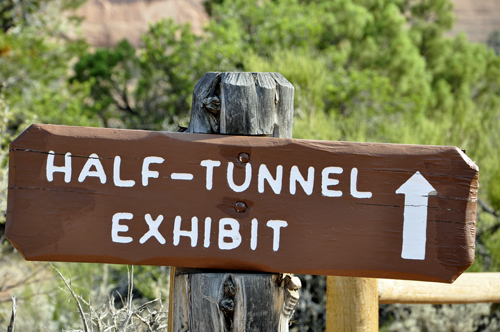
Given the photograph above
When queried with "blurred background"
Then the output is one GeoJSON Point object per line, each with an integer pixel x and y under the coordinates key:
{"type": "Point", "coordinates": [393, 71]}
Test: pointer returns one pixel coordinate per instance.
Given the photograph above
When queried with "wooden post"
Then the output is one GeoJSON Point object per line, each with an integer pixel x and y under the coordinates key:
{"type": "Point", "coordinates": [203, 300]}
{"type": "Point", "coordinates": [352, 304]}
{"type": "Point", "coordinates": [468, 288]}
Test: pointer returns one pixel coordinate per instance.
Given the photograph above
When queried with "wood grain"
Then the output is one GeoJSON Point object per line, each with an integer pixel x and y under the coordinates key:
{"type": "Point", "coordinates": [248, 104]}
{"type": "Point", "coordinates": [61, 221]}
{"type": "Point", "coordinates": [468, 288]}
{"type": "Point", "coordinates": [251, 104]}
{"type": "Point", "coordinates": [352, 304]}
{"type": "Point", "coordinates": [236, 302]}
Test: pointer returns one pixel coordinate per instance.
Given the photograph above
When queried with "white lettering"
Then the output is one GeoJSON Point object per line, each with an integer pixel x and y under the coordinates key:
{"type": "Point", "coordinates": [326, 181]}
{"type": "Point", "coordinates": [117, 228]}
{"type": "Point", "coordinates": [210, 164]}
{"type": "Point", "coordinates": [253, 239]}
{"type": "Point", "coordinates": [181, 176]}
{"type": "Point", "coordinates": [93, 160]}
{"type": "Point", "coordinates": [276, 225]}
{"type": "Point", "coordinates": [229, 231]}
{"type": "Point", "coordinates": [51, 169]}
{"type": "Point", "coordinates": [354, 192]}
{"type": "Point", "coordinates": [230, 180]}
{"type": "Point", "coordinates": [116, 175]}
{"type": "Point", "coordinates": [208, 228]}
{"type": "Point", "coordinates": [275, 184]}
{"type": "Point", "coordinates": [296, 176]}
{"type": "Point", "coordinates": [193, 233]}
{"type": "Point", "coordinates": [153, 229]}
{"type": "Point", "coordinates": [146, 173]}
{"type": "Point", "coordinates": [233, 233]}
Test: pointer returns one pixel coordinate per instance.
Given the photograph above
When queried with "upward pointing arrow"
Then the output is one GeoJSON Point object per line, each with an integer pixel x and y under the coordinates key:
{"type": "Point", "coordinates": [416, 190]}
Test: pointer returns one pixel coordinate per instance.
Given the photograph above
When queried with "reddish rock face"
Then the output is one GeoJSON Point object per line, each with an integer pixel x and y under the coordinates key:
{"type": "Point", "coordinates": [109, 21]}
{"type": "Point", "coordinates": [476, 18]}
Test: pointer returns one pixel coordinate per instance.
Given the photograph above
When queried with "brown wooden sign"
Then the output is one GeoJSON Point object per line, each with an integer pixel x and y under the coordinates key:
{"type": "Point", "coordinates": [238, 202]}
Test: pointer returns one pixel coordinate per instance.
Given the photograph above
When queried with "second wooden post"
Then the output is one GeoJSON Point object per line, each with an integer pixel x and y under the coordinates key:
{"type": "Point", "coordinates": [352, 304]}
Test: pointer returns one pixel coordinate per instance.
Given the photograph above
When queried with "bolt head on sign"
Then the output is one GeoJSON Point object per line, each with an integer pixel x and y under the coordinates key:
{"type": "Point", "coordinates": [237, 202]}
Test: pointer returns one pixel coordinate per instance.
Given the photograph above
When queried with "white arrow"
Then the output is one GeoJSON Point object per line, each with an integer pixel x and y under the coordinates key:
{"type": "Point", "coordinates": [416, 190]}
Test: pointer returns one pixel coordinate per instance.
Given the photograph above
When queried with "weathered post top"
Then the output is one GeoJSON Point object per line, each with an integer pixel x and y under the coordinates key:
{"type": "Point", "coordinates": [252, 104]}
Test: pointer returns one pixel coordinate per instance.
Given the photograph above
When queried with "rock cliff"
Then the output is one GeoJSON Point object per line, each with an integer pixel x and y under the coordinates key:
{"type": "Point", "coordinates": [109, 21]}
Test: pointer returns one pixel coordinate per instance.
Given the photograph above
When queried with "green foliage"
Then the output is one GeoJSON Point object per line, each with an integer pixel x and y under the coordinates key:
{"type": "Point", "coordinates": [442, 318]}
{"type": "Point", "coordinates": [380, 71]}
{"type": "Point", "coordinates": [362, 42]}
{"type": "Point", "coordinates": [494, 191]}
{"type": "Point", "coordinates": [494, 41]}
{"type": "Point", "coordinates": [149, 88]}
{"type": "Point", "coordinates": [34, 66]}
{"type": "Point", "coordinates": [45, 303]}
{"type": "Point", "coordinates": [35, 62]}
{"type": "Point", "coordinates": [27, 12]}
{"type": "Point", "coordinates": [5, 138]}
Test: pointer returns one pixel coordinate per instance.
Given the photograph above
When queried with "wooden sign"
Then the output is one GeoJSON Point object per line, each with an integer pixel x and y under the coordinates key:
{"type": "Point", "coordinates": [239, 202]}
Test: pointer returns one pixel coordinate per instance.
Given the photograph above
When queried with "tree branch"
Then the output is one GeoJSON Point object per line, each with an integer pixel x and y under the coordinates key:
{"type": "Point", "coordinates": [10, 328]}
{"type": "Point", "coordinates": [85, 325]}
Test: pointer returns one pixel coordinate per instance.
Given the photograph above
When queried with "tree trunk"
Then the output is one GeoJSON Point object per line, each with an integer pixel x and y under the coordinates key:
{"type": "Point", "coordinates": [204, 300]}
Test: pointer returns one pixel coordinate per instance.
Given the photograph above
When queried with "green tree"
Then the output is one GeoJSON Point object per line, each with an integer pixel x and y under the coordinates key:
{"type": "Point", "coordinates": [369, 70]}
{"type": "Point", "coordinates": [22, 13]}
{"type": "Point", "coordinates": [35, 64]}
{"type": "Point", "coordinates": [149, 88]}
{"type": "Point", "coordinates": [494, 41]}
{"type": "Point", "coordinates": [364, 41]}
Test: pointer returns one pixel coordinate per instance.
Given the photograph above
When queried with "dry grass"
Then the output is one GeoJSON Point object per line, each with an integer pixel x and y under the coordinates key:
{"type": "Point", "coordinates": [151, 316]}
{"type": "Point", "coordinates": [48, 299]}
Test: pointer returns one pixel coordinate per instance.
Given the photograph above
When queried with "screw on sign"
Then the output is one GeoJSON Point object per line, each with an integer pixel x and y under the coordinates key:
{"type": "Point", "coordinates": [219, 201]}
